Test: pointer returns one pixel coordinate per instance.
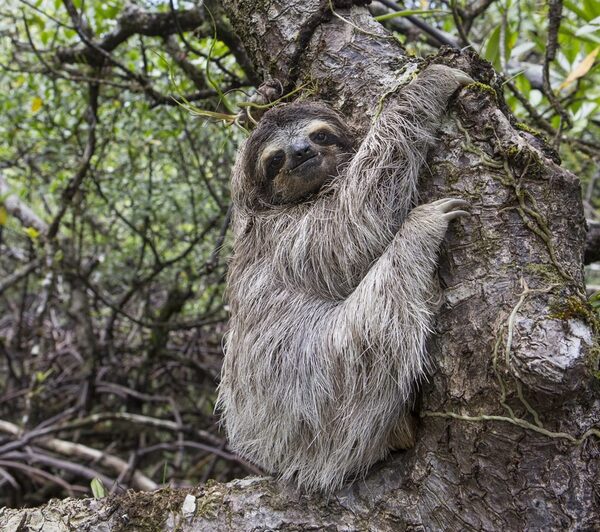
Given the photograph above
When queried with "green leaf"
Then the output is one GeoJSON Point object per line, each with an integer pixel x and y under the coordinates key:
{"type": "Point", "coordinates": [32, 233]}
{"type": "Point", "coordinates": [98, 489]}
{"type": "Point", "coordinates": [587, 37]}
{"type": "Point", "coordinates": [41, 376]}
{"type": "Point", "coordinates": [592, 27]}
{"type": "Point", "coordinates": [523, 85]}
{"type": "Point", "coordinates": [492, 48]}
{"type": "Point", "coordinates": [591, 7]}
{"type": "Point", "coordinates": [574, 7]}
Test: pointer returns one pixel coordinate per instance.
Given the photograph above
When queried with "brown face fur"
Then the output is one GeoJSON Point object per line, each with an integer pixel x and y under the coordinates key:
{"type": "Point", "coordinates": [295, 150]}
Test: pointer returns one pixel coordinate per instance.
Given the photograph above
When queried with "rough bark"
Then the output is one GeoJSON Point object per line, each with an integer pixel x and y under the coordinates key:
{"type": "Point", "coordinates": [506, 439]}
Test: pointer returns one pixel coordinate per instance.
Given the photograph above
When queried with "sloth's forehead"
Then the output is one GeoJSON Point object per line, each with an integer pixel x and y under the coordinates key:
{"type": "Point", "coordinates": [304, 127]}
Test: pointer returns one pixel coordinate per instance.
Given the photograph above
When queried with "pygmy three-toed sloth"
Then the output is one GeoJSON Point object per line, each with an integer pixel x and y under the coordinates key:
{"type": "Point", "coordinates": [331, 285]}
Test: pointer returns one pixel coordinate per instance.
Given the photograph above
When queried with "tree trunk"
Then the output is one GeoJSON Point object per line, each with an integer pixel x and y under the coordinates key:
{"type": "Point", "coordinates": [506, 438]}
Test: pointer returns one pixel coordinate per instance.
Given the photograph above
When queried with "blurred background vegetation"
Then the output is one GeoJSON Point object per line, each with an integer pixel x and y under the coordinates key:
{"type": "Point", "coordinates": [114, 215]}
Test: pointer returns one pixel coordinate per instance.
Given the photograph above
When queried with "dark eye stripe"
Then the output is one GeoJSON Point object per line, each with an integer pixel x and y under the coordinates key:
{"type": "Point", "coordinates": [275, 163]}
{"type": "Point", "coordinates": [276, 159]}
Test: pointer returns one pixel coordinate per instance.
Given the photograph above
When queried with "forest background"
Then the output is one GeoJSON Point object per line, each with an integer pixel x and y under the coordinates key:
{"type": "Point", "coordinates": [117, 139]}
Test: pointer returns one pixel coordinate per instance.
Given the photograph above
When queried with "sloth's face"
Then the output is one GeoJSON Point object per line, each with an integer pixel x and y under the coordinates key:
{"type": "Point", "coordinates": [301, 157]}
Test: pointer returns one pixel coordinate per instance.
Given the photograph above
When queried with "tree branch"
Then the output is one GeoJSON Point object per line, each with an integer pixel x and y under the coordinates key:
{"type": "Point", "coordinates": [19, 274]}
{"type": "Point", "coordinates": [132, 21]}
{"type": "Point", "coordinates": [67, 448]}
{"type": "Point", "coordinates": [19, 209]}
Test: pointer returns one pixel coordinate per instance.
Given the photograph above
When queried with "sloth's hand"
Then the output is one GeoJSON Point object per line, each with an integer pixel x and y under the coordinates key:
{"type": "Point", "coordinates": [426, 226]}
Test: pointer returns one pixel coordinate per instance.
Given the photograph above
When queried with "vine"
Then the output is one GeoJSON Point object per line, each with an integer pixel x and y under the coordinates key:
{"type": "Point", "coordinates": [529, 212]}
{"type": "Point", "coordinates": [537, 426]}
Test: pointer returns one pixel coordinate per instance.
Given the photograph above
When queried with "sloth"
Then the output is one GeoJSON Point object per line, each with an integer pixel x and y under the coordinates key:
{"type": "Point", "coordinates": [331, 285]}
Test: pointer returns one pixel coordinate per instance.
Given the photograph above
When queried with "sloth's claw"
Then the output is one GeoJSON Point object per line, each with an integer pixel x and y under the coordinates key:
{"type": "Point", "coordinates": [456, 214]}
{"type": "Point", "coordinates": [462, 78]}
{"type": "Point", "coordinates": [451, 208]}
{"type": "Point", "coordinates": [449, 73]}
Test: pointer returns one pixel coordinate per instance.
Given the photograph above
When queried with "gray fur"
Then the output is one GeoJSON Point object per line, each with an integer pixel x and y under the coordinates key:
{"type": "Point", "coordinates": [331, 302]}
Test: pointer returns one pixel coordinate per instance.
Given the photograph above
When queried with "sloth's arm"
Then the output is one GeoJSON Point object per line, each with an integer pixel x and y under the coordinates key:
{"type": "Point", "coordinates": [390, 308]}
{"type": "Point", "coordinates": [381, 181]}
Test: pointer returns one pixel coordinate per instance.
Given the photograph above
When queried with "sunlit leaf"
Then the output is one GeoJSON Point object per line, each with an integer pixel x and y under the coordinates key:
{"type": "Point", "coordinates": [592, 37]}
{"type": "Point", "coordinates": [581, 69]}
{"type": "Point", "coordinates": [535, 98]}
{"type": "Point", "coordinates": [592, 27]}
{"type": "Point", "coordinates": [36, 104]}
{"type": "Point", "coordinates": [41, 376]}
{"type": "Point", "coordinates": [522, 49]}
{"type": "Point", "coordinates": [32, 232]}
{"type": "Point", "coordinates": [3, 215]}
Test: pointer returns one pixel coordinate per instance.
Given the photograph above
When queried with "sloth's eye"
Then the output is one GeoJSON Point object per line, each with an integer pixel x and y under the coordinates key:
{"type": "Point", "coordinates": [320, 137]}
{"type": "Point", "coordinates": [275, 163]}
{"type": "Point", "coordinates": [276, 160]}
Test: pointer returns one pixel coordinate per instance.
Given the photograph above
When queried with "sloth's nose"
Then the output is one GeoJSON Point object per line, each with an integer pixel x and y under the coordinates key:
{"type": "Point", "coordinates": [302, 151]}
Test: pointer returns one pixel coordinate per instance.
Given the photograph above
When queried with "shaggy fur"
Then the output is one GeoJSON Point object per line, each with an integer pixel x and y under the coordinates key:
{"type": "Point", "coordinates": [331, 299]}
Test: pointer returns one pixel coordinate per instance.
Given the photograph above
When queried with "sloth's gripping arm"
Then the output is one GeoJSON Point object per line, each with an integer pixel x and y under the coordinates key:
{"type": "Point", "coordinates": [390, 309]}
{"type": "Point", "coordinates": [382, 177]}
{"type": "Point", "coordinates": [395, 276]}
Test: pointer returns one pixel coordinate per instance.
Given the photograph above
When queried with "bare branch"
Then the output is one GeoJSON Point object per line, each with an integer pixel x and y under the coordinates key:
{"type": "Point", "coordinates": [77, 179]}
{"type": "Point", "coordinates": [67, 448]}
{"type": "Point", "coordinates": [438, 35]}
{"type": "Point", "coordinates": [19, 209]}
{"type": "Point", "coordinates": [17, 275]}
{"type": "Point", "coordinates": [132, 21]}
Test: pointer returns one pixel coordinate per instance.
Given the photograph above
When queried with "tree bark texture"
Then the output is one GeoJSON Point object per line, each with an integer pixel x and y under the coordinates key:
{"type": "Point", "coordinates": [508, 434]}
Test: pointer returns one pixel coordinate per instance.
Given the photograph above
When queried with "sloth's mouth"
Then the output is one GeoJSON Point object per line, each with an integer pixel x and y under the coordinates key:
{"type": "Point", "coordinates": [307, 162]}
